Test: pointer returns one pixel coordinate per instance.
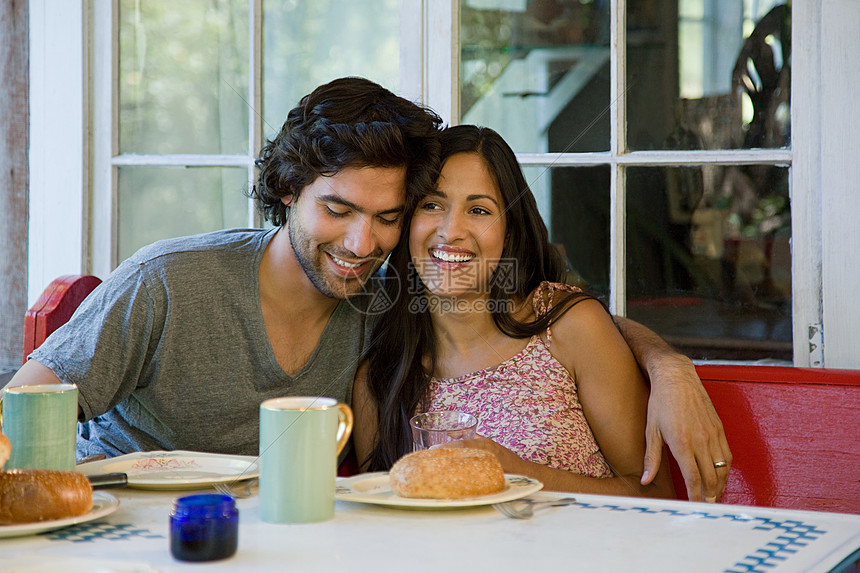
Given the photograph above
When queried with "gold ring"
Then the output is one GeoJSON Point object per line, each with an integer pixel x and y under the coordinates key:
{"type": "Point", "coordinates": [720, 464]}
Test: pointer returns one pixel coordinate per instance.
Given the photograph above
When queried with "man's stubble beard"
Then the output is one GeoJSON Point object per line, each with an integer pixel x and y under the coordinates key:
{"type": "Point", "coordinates": [312, 261]}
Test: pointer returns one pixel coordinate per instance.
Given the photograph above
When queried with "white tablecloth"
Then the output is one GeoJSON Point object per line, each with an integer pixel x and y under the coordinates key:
{"type": "Point", "coordinates": [599, 533]}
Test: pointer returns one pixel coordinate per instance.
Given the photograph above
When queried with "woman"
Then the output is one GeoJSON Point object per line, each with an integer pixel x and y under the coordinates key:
{"type": "Point", "coordinates": [482, 324]}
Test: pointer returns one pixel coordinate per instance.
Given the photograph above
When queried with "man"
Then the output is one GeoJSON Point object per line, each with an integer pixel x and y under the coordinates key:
{"type": "Point", "coordinates": [178, 347]}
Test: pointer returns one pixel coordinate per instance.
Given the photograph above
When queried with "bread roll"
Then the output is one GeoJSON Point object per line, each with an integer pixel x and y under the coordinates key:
{"type": "Point", "coordinates": [5, 449]}
{"type": "Point", "coordinates": [447, 473]}
{"type": "Point", "coordinates": [40, 495]}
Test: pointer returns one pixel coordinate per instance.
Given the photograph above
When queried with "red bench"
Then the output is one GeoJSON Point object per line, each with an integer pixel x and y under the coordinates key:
{"type": "Point", "coordinates": [794, 435]}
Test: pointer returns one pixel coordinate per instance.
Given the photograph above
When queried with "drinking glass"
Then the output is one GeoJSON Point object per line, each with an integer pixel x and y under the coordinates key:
{"type": "Point", "coordinates": [433, 428]}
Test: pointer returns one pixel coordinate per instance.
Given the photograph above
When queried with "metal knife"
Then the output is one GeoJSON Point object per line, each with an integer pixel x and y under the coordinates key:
{"type": "Point", "coordinates": [100, 481]}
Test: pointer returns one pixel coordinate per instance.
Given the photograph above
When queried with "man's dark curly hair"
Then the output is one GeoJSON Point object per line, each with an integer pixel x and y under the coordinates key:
{"type": "Point", "coordinates": [349, 122]}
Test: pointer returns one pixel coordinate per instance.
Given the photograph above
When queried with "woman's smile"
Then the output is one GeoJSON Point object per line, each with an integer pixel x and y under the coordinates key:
{"type": "Point", "coordinates": [450, 257]}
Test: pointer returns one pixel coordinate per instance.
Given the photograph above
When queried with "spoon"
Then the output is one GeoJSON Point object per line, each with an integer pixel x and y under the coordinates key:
{"type": "Point", "coordinates": [525, 508]}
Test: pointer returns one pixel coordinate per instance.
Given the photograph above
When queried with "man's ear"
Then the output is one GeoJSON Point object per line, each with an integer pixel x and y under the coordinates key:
{"type": "Point", "coordinates": [287, 200]}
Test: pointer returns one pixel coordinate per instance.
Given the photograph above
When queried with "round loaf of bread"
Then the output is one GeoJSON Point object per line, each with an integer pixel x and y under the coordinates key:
{"type": "Point", "coordinates": [447, 473]}
{"type": "Point", "coordinates": [5, 449]}
{"type": "Point", "coordinates": [40, 495]}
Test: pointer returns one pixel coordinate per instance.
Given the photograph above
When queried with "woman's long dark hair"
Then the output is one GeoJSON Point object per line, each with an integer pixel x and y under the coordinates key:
{"type": "Point", "coordinates": [402, 339]}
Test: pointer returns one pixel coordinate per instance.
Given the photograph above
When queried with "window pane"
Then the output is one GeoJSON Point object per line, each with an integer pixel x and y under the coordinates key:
{"type": "Point", "coordinates": [708, 74]}
{"type": "Point", "coordinates": [537, 72]}
{"type": "Point", "coordinates": [708, 260]}
{"type": "Point", "coordinates": [306, 44]}
{"type": "Point", "coordinates": [162, 202]}
{"type": "Point", "coordinates": [574, 202]}
{"type": "Point", "coordinates": [183, 76]}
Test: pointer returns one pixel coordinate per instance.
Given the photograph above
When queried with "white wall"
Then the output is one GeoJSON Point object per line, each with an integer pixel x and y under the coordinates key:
{"type": "Point", "coordinates": [58, 134]}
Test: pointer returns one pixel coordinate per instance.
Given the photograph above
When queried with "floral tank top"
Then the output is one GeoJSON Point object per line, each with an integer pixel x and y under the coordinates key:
{"type": "Point", "coordinates": [528, 403]}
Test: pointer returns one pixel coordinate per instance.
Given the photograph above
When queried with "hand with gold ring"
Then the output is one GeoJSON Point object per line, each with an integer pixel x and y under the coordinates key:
{"type": "Point", "coordinates": [682, 416]}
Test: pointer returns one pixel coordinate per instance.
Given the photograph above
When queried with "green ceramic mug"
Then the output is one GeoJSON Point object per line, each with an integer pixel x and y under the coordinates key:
{"type": "Point", "coordinates": [41, 424]}
{"type": "Point", "coordinates": [300, 439]}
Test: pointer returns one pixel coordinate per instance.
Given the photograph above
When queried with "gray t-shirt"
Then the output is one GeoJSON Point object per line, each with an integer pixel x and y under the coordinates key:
{"type": "Point", "coordinates": [171, 351]}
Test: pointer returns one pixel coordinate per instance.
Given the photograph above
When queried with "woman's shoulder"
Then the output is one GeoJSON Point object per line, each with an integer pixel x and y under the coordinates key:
{"type": "Point", "coordinates": [588, 312]}
{"type": "Point", "coordinates": [579, 331]}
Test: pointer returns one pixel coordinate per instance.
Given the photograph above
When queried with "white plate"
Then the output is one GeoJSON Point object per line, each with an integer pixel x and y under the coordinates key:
{"type": "Point", "coordinates": [103, 504]}
{"type": "Point", "coordinates": [375, 488]}
{"type": "Point", "coordinates": [175, 470]}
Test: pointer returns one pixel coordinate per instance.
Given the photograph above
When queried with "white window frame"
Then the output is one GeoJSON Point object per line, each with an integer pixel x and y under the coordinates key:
{"type": "Point", "coordinates": [72, 185]}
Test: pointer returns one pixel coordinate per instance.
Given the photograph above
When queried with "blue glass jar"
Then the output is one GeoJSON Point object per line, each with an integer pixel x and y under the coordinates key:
{"type": "Point", "coordinates": [204, 527]}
